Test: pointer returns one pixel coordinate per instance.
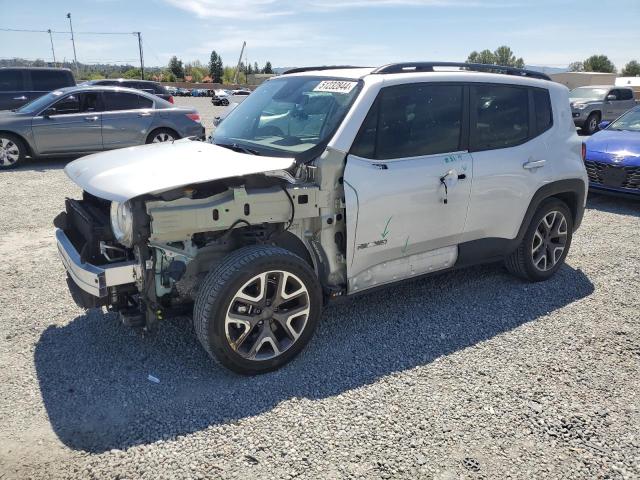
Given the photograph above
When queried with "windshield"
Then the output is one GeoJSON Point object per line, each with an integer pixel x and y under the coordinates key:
{"type": "Point", "coordinates": [586, 93]}
{"type": "Point", "coordinates": [629, 121]}
{"type": "Point", "coordinates": [289, 116]}
{"type": "Point", "coordinates": [35, 106]}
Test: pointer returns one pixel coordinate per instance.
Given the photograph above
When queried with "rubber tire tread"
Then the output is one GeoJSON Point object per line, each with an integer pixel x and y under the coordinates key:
{"type": "Point", "coordinates": [210, 293]}
{"type": "Point", "coordinates": [516, 262]}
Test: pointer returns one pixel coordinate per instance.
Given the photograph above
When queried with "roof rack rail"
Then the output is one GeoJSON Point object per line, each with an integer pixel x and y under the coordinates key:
{"type": "Point", "coordinates": [324, 67]}
{"type": "Point", "coordinates": [410, 67]}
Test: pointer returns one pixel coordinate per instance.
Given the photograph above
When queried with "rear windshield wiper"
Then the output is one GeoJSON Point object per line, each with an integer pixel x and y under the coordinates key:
{"type": "Point", "coordinates": [237, 148]}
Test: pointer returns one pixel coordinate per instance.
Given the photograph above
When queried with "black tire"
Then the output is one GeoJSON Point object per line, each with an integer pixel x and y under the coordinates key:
{"type": "Point", "coordinates": [219, 290]}
{"type": "Point", "coordinates": [224, 102]}
{"type": "Point", "coordinates": [521, 261]}
{"type": "Point", "coordinates": [162, 131]}
{"type": "Point", "coordinates": [12, 143]}
{"type": "Point", "coordinates": [591, 124]}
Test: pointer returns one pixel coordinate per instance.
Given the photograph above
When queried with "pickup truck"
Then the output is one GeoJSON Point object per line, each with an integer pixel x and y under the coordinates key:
{"type": "Point", "coordinates": [592, 104]}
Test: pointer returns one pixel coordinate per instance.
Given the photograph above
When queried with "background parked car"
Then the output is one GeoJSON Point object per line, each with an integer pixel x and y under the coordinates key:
{"type": "Point", "coordinates": [85, 119]}
{"type": "Point", "coordinates": [22, 84]}
{"type": "Point", "coordinates": [145, 85]}
{"type": "Point", "coordinates": [613, 155]}
{"type": "Point", "coordinates": [590, 105]}
{"type": "Point", "coordinates": [221, 97]}
{"type": "Point", "coordinates": [238, 96]}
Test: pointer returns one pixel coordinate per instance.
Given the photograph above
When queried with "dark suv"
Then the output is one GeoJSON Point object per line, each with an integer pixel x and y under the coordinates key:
{"type": "Point", "coordinates": [19, 85]}
{"type": "Point", "coordinates": [145, 85]}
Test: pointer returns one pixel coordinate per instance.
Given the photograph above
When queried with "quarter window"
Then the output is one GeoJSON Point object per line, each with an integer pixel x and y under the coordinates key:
{"type": "Point", "coordinates": [412, 120]}
{"type": "Point", "coordinates": [499, 117]}
{"type": "Point", "coordinates": [542, 104]}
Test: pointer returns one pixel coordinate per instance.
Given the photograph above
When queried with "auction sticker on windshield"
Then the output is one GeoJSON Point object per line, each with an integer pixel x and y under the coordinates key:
{"type": "Point", "coordinates": [335, 86]}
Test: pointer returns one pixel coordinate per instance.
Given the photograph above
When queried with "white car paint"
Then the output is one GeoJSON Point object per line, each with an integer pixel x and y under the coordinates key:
{"type": "Point", "coordinates": [490, 203]}
{"type": "Point", "coordinates": [120, 175]}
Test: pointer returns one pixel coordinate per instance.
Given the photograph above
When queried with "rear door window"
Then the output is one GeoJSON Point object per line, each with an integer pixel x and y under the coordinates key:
{"type": "Point", "coordinates": [48, 80]}
{"type": "Point", "coordinates": [625, 94]}
{"type": "Point", "coordinates": [499, 116]}
{"type": "Point", "coordinates": [114, 101]}
{"type": "Point", "coordinates": [11, 81]}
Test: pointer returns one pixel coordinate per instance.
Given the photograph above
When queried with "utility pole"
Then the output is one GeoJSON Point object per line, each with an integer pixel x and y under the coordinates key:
{"type": "Point", "coordinates": [52, 50]}
{"type": "Point", "coordinates": [75, 58]}
{"type": "Point", "coordinates": [141, 54]}
{"type": "Point", "coordinates": [235, 79]}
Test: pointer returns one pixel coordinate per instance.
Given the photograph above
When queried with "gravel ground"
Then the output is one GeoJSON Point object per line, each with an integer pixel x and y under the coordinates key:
{"type": "Point", "coordinates": [471, 374]}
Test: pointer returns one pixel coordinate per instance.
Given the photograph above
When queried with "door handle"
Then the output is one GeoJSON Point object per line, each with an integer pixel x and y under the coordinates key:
{"type": "Point", "coordinates": [144, 114]}
{"type": "Point", "coordinates": [531, 164]}
{"type": "Point", "coordinates": [91, 119]}
{"type": "Point", "coordinates": [20, 98]}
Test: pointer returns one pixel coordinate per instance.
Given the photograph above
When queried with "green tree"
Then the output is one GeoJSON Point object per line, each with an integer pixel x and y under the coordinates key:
{"type": "Point", "coordinates": [216, 69]}
{"type": "Point", "coordinates": [176, 67]}
{"type": "Point", "coordinates": [256, 68]}
{"type": "Point", "coordinates": [132, 73]}
{"type": "Point", "coordinates": [599, 63]}
{"type": "Point", "coordinates": [504, 56]}
{"type": "Point", "coordinates": [168, 76]}
{"type": "Point", "coordinates": [485, 56]}
{"type": "Point", "coordinates": [267, 67]}
{"type": "Point", "coordinates": [576, 67]}
{"type": "Point", "coordinates": [631, 69]}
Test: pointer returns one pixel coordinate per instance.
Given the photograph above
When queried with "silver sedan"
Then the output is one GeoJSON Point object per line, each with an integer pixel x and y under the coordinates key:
{"type": "Point", "coordinates": [82, 120]}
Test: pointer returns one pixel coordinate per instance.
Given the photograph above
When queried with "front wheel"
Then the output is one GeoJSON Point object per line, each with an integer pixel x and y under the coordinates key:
{"type": "Point", "coordinates": [545, 244]}
{"type": "Point", "coordinates": [12, 150]}
{"type": "Point", "coordinates": [258, 309]}
{"type": "Point", "coordinates": [591, 124]}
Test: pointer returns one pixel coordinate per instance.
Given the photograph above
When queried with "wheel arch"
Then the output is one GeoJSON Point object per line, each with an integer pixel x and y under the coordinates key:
{"type": "Point", "coordinates": [22, 138]}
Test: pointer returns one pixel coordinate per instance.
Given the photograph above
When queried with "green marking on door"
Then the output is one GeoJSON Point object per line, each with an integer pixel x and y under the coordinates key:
{"type": "Point", "coordinates": [406, 244]}
{"type": "Point", "coordinates": [386, 228]}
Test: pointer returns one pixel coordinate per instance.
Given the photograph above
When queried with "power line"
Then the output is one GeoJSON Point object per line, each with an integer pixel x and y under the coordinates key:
{"type": "Point", "coordinates": [65, 32]}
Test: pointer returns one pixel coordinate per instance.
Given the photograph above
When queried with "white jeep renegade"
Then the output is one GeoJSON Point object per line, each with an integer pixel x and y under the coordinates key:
{"type": "Point", "coordinates": [326, 182]}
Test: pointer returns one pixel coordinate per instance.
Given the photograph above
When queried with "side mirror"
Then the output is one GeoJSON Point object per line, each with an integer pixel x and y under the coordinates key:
{"type": "Point", "coordinates": [604, 124]}
{"type": "Point", "coordinates": [611, 97]}
{"type": "Point", "coordinates": [48, 112]}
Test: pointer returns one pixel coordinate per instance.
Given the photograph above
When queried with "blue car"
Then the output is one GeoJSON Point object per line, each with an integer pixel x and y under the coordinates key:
{"type": "Point", "coordinates": [612, 155]}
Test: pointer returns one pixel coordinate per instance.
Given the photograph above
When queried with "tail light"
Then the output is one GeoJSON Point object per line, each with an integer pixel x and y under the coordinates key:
{"type": "Point", "coordinates": [171, 99]}
{"type": "Point", "coordinates": [584, 151]}
{"type": "Point", "coordinates": [194, 116]}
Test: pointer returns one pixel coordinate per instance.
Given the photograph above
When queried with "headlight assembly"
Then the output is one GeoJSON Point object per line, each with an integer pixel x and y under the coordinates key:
{"type": "Point", "coordinates": [580, 106]}
{"type": "Point", "coordinates": [122, 223]}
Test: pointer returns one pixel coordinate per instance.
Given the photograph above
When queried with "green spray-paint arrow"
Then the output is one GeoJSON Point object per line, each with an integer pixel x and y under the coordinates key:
{"type": "Point", "coordinates": [406, 244]}
{"type": "Point", "coordinates": [386, 228]}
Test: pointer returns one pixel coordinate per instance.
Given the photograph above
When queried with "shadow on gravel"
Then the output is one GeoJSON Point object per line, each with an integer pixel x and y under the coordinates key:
{"type": "Point", "coordinates": [614, 204]}
{"type": "Point", "coordinates": [93, 371]}
{"type": "Point", "coordinates": [42, 164]}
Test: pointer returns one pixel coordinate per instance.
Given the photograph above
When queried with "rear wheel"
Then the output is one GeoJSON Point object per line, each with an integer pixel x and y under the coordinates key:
{"type": "Point", "coordinates": [545, 244]}
{"type": "Point", "coordinates": [257, 309]}
{"type": "Point", "coordinates": [162, 135]}
{"type": "Point", "coordinates": [12, 150]}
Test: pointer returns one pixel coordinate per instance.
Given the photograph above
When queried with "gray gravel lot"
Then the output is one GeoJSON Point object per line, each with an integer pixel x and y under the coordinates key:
{"type": "Point", "coordinates": [471, 374]}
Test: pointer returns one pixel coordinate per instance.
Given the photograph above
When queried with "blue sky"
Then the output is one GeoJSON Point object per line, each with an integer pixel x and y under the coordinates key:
{"type": "Point", "coordinates": [303, 32]}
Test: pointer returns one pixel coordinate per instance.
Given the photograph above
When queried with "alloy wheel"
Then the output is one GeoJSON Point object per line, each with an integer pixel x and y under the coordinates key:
{"type": "Point", "coordinates": [267, 315]}
{"type": "Point", "coordinates": [549, 241]}
{"type": "Point", "coordinates": [9, 152]}
{"type": "Point", "coordinates": [163, 137]}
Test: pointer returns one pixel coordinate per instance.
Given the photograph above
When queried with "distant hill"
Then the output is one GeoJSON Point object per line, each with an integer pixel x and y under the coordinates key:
{"type": "Point", "coordinates": [546, 70]}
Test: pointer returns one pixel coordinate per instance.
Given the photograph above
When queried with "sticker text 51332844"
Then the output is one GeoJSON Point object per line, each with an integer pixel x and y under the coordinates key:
{"type": "Point", "coordinates": [335, 86]}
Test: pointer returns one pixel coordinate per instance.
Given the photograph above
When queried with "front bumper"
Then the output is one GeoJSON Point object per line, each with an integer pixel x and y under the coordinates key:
{"type": "Point", "coordinates": [92, 279]}
{"type": "Point", "coordinates": [579, 117]}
